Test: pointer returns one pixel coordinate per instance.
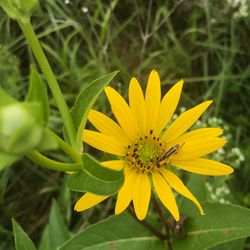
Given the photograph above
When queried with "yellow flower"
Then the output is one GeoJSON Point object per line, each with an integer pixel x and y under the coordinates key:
{"type": "Point", "coordinates": [147, 151]}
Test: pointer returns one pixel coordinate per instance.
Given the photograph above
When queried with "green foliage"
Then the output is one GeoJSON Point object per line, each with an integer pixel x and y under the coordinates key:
{"type": "Point", "coordinates": [38, 92]}
{"type": "Point", "coordinates": [86, 100]}
{"type": "Point", "coordinates": [95, 178]}
{"type": "Point", "coordinates": [195, 42]}
{"type": "Point", "coordinates": [22, 240]}
{"type": "Point", "coordinates": [117, 232]}
{"type": "Point", "coordinates": [20, 10]}
{"type": "Point", "coordinates": [55, 232]}
{"type": "Point", "coordinates": [222, 223]}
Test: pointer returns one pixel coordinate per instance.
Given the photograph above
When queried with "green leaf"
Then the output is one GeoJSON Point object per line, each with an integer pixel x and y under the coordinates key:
{"type": "Point", "coordinates": [22, 240]}
{"type": "Point", "coordinates": [45, 240]}
{"type": "Point", "coordinates": [95, 178]}
{"type": "Point", "coordinates": [5, 99]}
{"type": "Point", "coordinates": [7, 159]}
{"type": "Point", "coordinates": [222, 223]}
{"type": "Point", "coordinates": [48, 141]}
{"type": "Point", "coordinates": [200, 193]}
{"type": "Point", "coordinates": [38, 92]}
{"type": "Point", "coordinates": [86, 100]}
{"type": "Point", "coordinates": [117, 232]}
{"type": "Point", "coordinates": [58, 231]}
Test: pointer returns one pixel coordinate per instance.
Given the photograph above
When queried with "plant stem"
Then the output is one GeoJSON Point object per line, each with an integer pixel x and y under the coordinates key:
{"type": "Point", "coordinates": [66, 148]}
{"type": "Point", "coordinates": [148, 226]}
{"type": "Point", "coordinates": [43, 161]}
{"type": "Point", "coordinates": [51, 79]}
{"type": "Point", "coordinates": [166, 225]}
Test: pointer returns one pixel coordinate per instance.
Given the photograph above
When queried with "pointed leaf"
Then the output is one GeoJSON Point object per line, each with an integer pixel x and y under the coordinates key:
{"type": "Point", "coordinates": [22, 240]}
{"type": "Point", "coordinates": [58, 231]}
{"type": "Point", "coordinates": [45, 240]}
{"type": "Point", "coordinates": [85, 101]}
{"type": "Point", "coordinates": [222, 223]}
{"type": "Point", "coordinates": [117, 232]}
{"type": "Point", "coordinates": [95, 178]}
{"type": "Point", "coordinates": [38, 92]}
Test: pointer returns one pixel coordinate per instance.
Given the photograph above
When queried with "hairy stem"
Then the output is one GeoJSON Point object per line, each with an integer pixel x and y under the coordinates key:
{"type": "Point", "coordinates": [34, 43]}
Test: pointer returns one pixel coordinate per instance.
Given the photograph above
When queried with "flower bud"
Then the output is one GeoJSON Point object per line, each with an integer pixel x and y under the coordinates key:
{"type": "Point", "coordinates": [19, 131]}
{"type": "Point", "coordinates": [20, 10]}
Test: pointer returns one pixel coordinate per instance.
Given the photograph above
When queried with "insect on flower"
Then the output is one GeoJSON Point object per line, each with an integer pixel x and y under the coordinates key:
{"type": "Point", "coordinates": [144, 147]}
{"type": "Point", "coordinates": [171, 151]}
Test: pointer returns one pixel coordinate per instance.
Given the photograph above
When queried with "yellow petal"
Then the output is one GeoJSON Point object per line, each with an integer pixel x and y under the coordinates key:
{"type": "Point", "coordinates": [137, 104]}
{"type": "Point", "coordinates": [107, 126]}
{"type": "Point", "coordinates": [125, 194]}
{"type": "Point", "coordinates": [115, 164]}
{"type": "Point", "coordinates": [203, 166]}
{"type": "Point", "coordinates": [152, 99]}
{"type": "Point", "coordinates": [198, 148]}
{"type": "Point", "coordinates": [201, 133]}
{"type": "Point", "coordinates": [103, 142]}
{"type": "Point", "coordinates": [141, 195]}
{"type": "Point", "coordinates": [176, 183]}
{"type": "Point", "coordinates": [87, 201]}
{"type": "Point", "coordinates": [165, 194]}
{"type": "Point", "coordinates": [123, 113]}
{"type": "Point", "coordinates": [168, 106]}
{"type": "Point", "coordinates": [185, 121]}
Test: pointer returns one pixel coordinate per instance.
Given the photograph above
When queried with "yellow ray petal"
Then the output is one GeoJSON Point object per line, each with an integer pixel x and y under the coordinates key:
{"type": "Point", "coordinates": [123, 113]}
{"type": "Point", "coordinates": [168, 106]}
{"type": "Point", "coordinates": [87, 201]}
{"type": "Point", "coordinates": [141, 195]}
{"type": "Point", "coordinates": [203, 166]}
{"type": "Point", "coordinates": [176, 183]}
{"type": "Point", "coordinates": [152, 99]}
{"type": "Point", "coordinates": [137, 104]}
{"type": "Point", "coordinates": [198, 148]}
{"type": "Point", "coordinates": [201, 133]}
{"type": "Point", "coordinates": [185, 121]}
{"type": "Point", "coordinates": [115, 164]}
{"type": "Point", "coordinates": [107, 126]}
{"type": "Point", "coordinates": [125, 194]}
{"type": "Point", "coordinates": [165, 194]}
{"type": "Point", "coordinates": [103, 142]}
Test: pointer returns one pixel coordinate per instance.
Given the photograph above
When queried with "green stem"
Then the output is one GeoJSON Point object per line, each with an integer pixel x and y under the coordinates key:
{"type": "Point", "coordinates": [66, 148]}
{"type": "Point", "coordinates": [34, 43]}
{"type": "Point", "coordinates": [43, 161]}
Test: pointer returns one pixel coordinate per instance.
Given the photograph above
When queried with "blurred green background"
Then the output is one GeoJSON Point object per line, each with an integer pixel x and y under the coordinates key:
{"type": "Point", "coordinates": [204, 42]}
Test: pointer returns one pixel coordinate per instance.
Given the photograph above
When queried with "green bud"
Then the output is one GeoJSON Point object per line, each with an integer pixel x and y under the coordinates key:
{"type": "Point", "coordinates": [20, 10]}
{"type": "Point", "coordinates": [19, 131]}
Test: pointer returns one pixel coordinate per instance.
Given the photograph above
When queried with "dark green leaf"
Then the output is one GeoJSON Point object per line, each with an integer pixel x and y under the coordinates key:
{"type": "Point", "coordinates": [38, 92]}
{"type": "Point", "coordinates": [222, 223]}
{"type": "Point", "coordinates": [117, 232]}
{"type": "Point", "coordinates": [85, 101]}
{"type": "Point", "coordinates": [48, 141]}
{"type": "Point", "coordinates": [95, 178]}
{"type": "Point", "coordinates": [45, 240]}
{"type": "Point", "coordinates": [58, 231]}
{"type": "Point", "coordinates": [22, 240]}
{"type": "Point", "coordinates": [194, 181]}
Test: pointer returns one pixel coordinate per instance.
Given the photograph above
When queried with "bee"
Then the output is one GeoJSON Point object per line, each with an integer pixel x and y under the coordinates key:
{"type": "Point", "coordinates": [173, 150]}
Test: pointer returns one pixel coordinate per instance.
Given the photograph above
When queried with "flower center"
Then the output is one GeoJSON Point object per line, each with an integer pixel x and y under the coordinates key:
{"type": "Point", "coordinates": [143, 156]}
